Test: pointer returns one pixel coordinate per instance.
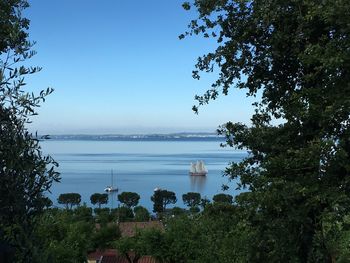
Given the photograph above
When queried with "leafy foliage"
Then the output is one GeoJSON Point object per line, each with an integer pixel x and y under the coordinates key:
{"type": "Point", "coordinates": [25, 173]}
{"type": "Point", "coordinates": [162, 198]}
{"type": "Point", "coordinates": [294, 56]}
{"type": "Point", "coordinates": [105, 236]}
{"type": "Point", "coordinates": [223, 198]}
{"type": "Point", "coordinates": [157, 200]}
{"type": "Point", "coordinates": [103, 215]}
{"type": "Point", "coordinates": [204, 202]}
{"type": "Point", "coordinates": [143, 243]}
{"type": "Point", "coordinates": [177, 211]}
{"type": "Point", "coordinates": [141, 214]}
{"type": "Point", "coordinates": [191, 199]}
{"type": "Point", "coordinates": [64, 235]}
{"type": "Point", "coordinates": [13, 30]}
{"type": "Point", "coordinates": [204, 237]}
{"type": "Point", "coordinates": [123, 214]}
{"type": "Point", "coordinates": [130, 199]}
{"type": "Point", "coordinates": [99, 199]}
{"type": "Point", "coordinates": [69, 199]}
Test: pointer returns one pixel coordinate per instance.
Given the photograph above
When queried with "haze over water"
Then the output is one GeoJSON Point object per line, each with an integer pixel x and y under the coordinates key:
{"type": "Point", "coordinates": [139, 166]}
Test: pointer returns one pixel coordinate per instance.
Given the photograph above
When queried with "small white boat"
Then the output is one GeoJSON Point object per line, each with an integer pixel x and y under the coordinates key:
{"type": "Point", "coordinates": [111, 188]}
{"type": "Point", "coordinates": [198, 169]}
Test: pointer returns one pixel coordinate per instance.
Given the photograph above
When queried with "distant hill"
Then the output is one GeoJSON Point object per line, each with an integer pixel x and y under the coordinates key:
{"type": "Point", "coordinates": [141, 137]}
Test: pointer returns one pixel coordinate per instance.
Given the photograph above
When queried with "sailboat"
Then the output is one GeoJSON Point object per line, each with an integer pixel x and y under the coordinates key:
{"type": "Point", "coordinates": [110, 188]}
{"type": "Point", "coordinates": [198, 169]}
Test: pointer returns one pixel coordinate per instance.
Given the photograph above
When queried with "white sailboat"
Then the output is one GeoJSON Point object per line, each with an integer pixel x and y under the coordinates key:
{"type": "Point", "coordinates": [110, 188]}
{"type": "Point", "coordinates": [198, 168]}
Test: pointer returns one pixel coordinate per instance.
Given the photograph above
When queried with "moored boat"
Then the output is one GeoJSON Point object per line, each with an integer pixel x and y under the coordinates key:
{"type": "Point", "coordinates": [111, 188]}
{"type": "Point", "coordinates": [198, 169]}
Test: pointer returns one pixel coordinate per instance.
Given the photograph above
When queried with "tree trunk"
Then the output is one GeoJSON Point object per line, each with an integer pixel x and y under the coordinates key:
{"type": "Point", "coordinates": [128, 258]}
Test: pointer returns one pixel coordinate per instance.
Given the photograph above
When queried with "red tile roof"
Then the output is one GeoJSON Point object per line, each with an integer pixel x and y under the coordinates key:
{"type": "Point", "coordinates": [99, 253]}
{"type": "Point", "coordinates": [147, 259]}
{"type": "Point", "coordinates": [121, 259]}
{"type": "Point", "coordinates": [111, 259]}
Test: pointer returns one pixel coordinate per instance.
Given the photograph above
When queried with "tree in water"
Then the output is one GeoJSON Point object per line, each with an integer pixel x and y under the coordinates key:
{"type": "Point", "coordinates": [293, 57]}
{"type": "Point", "coordinates": [25, 173]}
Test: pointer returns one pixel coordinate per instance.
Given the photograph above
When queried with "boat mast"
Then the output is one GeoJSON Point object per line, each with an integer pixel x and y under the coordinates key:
{"type": "Point", "coordinates": [112, 178]}
{"type": "Point", "coordinates": [112, 188]}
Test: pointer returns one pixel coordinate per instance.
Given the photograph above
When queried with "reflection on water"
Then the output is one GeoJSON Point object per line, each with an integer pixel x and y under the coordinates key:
{"type": "Point", "coordinates": [197, 183]}
{"type": "Point", "coordinates": [113, 199]}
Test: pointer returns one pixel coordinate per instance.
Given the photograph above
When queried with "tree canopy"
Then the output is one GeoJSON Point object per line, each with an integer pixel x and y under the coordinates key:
{"type": "Point", "coordinates": [294, 58]}
{"type": "Point", "coordinates": [99, 199]}
{"type": "Point", "coordinates": [130, 199]}
{"type": "Point", "coordinates": [141, 214]}
{"type": "Point", "coordinates": [191, 199]}
{"type": "Point", "coordinates": [223, 198]}
{"type": "Point", "coordinates": [162, 198]}
{"type": "Point", "coordinates": [69, 199]}
{"type": "Point", "coordinates": [26, 174]}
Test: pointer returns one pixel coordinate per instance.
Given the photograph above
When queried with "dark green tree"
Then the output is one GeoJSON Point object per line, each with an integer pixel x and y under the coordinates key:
{"type": "Point", "coordinates": [162, 198]}
{"type": "Point", "coordinates": [204, 202]}
{"type": "Point", "coordinates": [223, 198]}
{"type": "Point", "coordinates": [169, 197]}
{"type": "Point", "coordinates": [69, 199]}
{"type": "Point", "coordinates": [99, 199]}
{"type": "Point", "coordinates": [218, 234]}
{"type": "Point", "coordinates": [26, 174]}
{"type": "Point", "coordinates": [83, 213]}
{"type": "Point", "coordinates": [293, 57]}
{"type": "Point", "coordinates": [144, 242]}
{"type": "Point", "coordinates": [130, 199]}
{"type": "Point", "coordinates": [123, 214]}
{"type": "Point", "coordinates": [177, 211]}
{"type": "Point", "coordinates": [103, 215]}
{"type": "Point", "coordinates": [182, 241]}
{"type": "Point", "coordinates": [45, 202]}
{"type": "Point", "coordinates": [141, 214]}
{"type": "Point", "coordinates": [132, 248]}
{"type": "Point", "coordinates": [191, 199]}
{"type": "Point", "coordinates": [157, 200]}
{"type": "Point", "coordinates": [64, 236]}
{"type": "Point", "coordinates": [105, 236]}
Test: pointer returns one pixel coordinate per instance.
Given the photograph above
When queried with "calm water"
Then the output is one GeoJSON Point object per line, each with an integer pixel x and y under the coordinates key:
{"type": "Point", "coordinates": [139, 166]}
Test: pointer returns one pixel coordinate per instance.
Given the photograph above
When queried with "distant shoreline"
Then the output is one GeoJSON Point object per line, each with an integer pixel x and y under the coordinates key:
{"type": "Point", "coordinates": [138, 137]}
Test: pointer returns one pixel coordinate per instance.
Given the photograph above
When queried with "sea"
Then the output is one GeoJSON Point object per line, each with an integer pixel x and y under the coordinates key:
{"type": "Point", "coordinates": [87, 166]}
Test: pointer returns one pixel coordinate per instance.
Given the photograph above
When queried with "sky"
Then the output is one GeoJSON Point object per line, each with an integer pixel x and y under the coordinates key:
{"type": "Point", "coordinates": [118, 67]}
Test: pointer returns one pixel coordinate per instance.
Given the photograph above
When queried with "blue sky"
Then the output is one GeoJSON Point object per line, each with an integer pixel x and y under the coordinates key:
{"type": "Point", "coordinates": [119, 67]}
